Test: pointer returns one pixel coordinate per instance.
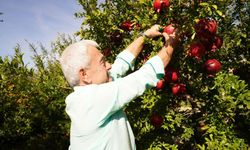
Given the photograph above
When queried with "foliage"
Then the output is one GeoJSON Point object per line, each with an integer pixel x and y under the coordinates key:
{"type": "Point", "coordinates": [32, 101]}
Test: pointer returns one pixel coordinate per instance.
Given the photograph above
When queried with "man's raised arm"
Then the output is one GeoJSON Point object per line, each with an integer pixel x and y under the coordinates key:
{"type": "Point", "coordinates": [124, 60]}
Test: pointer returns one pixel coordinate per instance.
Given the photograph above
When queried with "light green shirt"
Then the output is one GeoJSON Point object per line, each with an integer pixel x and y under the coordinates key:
{"type": "Point", "coordinates": [97, 119]}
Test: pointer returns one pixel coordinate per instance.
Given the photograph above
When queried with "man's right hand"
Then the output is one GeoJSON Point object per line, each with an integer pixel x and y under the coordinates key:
{"type": "Point", "coordinates": [171, 39]}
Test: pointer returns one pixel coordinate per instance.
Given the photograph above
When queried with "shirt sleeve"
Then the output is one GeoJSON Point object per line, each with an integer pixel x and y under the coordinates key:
{"type": "Point", "coordinates": [124, 62]}
{"type": "Point", "coordinates": [111, 97]}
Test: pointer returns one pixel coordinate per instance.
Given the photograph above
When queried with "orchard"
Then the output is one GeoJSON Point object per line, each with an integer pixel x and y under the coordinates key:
{"type": "Point", "coordinates": [202, 102]}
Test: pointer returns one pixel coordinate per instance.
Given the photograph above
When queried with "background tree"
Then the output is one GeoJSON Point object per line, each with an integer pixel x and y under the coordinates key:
{"type": "Point", "coordinates": [32, 100]}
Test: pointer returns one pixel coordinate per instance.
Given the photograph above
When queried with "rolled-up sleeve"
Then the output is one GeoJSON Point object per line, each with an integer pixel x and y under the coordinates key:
{"type": "Point", "coordinates": [124, 61]}
{"type": "Point", "coordinates": [115, 95]}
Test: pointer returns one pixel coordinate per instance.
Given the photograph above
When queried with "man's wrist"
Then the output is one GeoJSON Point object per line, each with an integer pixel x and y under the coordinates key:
{"type": "Point", "coordinates": [170, 42]}
{"type": "Point", "coordinates": [143, 35]}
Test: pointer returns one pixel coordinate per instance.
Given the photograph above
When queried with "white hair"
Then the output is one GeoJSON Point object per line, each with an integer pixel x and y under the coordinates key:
{"type": "Point", "coordinates": [74, 58]}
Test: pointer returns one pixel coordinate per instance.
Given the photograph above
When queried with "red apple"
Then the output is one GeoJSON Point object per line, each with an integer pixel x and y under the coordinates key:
{"type": "Point", "coordinates": [160, 84]}
{"type": "Point", "coordinates": [178, 89]}
{"type": "Point", "coordinates": [126, 26]}
{"type": "Point", "coordinates": [156, 120]}
{"type": "Point", "coordinates": [169, 29]}
{"type": "Point", "coordinates": [159, 5]}
{"type": "Point", "coordinates": [171, 75]}
{"type": "Point", "coordinates": [197, 50]}
{"type": "Point", "coordinates": [206, 28]}
{"type": "Point", "coordinates": [212, 66]}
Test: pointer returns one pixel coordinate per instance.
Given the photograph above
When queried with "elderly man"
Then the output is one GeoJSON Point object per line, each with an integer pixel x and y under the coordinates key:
{"type": "Point", "coordinates": [95, 107]}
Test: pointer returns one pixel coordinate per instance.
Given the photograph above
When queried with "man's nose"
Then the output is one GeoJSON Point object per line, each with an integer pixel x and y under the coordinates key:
{"type": "Point", "coordinates": [108, 65]}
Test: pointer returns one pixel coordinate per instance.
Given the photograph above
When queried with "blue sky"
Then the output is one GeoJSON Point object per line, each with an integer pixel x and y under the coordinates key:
{"type": "Point", "coordinates": [37, 21]}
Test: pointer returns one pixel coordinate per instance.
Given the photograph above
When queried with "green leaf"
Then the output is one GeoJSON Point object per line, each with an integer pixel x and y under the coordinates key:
{"type": "Point", "coordinates": [219, 13]}
{"type": "Point", "coordinates": [193, 36]}
{"type": "Point", "coordinates": [244, 35]}
{"type": "Point", "coordinates": [215, 7]}
{"type": "Point", "coordinates": [204, 4]}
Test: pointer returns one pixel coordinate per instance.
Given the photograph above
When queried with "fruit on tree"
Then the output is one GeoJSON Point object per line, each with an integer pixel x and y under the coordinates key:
{"type": "Point", "coordinates": [156, 120]}
{"type": "Point", "coordinates": [160, 84]}
{"type": "Point", "coordinates": [212, 66]}
{"type": "Point", "coordinates": [160, 5]}
{"type": "Point", "coordinates": [178, 89]}
{"type": "Point", "coordinates": [217, 43]}
{"type": "Point", "coordinates": [171, 75]}
{"type": "Point", "coordinates": [197, 50]}
{"type": "Point", "coordinates": [169, 29]}
{"type": "Point", "coordinates": [126, 26]}
{"type": "Point", "coordinates": [206, 28]}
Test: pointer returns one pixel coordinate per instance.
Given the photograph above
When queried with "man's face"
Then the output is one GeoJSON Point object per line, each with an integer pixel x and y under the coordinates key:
{"type": "Point", "coordinates": [98, 68]}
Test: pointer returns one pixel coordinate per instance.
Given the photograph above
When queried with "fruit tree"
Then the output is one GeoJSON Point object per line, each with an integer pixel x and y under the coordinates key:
{"type": "Point", "coordinates": [203, 101]}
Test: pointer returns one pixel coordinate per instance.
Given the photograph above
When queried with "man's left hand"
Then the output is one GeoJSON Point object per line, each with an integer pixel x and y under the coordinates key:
{"type": "Point", "coordinates": [153, 31]}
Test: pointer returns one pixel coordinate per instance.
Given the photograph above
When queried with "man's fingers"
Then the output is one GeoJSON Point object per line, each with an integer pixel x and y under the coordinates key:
{"type": "Point", "coordinates": [166, 36]}
{"type": "Point", "coordinates": [156, 27]}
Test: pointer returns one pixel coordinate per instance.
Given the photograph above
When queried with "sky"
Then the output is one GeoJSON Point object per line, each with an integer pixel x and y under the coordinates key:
{"type": "Point", "coordinates": [37, 21]}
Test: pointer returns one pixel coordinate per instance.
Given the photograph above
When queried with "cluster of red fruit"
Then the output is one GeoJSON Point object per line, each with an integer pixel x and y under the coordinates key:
{"type": "Point", "coordinates": [206, 41]}
{"type": "Point", "coordinates": [117, 36]}
{"type": "Point", "coordinates": [171, 74]}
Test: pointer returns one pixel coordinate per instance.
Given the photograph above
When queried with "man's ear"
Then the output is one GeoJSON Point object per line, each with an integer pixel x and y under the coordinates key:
{"type": "Point", "coordinates": [84, 78]}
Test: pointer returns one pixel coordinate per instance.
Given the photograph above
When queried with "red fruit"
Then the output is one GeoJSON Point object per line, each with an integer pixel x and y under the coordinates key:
{"type": "Point", "coordinates": [212, 66]}
{"type": "Point", "coordinates": [218, 41]}
{"type": "Point", "coordinates": [156, 120]}
{"type": "Point", "coordinates": [126, 26]}
{"type": "Point", "coordinates": [197, 50]}
{"type": "Point", "coordinates": [178, 89]}
{"type": "Point", "coordinates": [169, 29]}
{"type": "Point", "coordinates": [159, 5]}
{"type": "Point", "coordinates": [206, 28]}
{"type": "Point", "coordinates": [212, 26]}
{"type": "Point", "coordinates": [171, 75]}
{"type": "Point", "coordinates": [160, 84]}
